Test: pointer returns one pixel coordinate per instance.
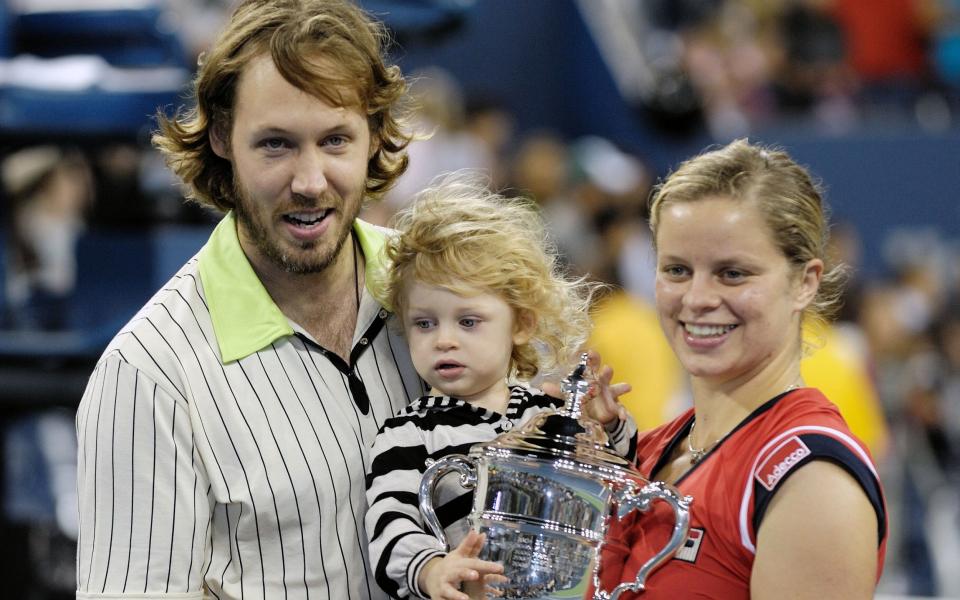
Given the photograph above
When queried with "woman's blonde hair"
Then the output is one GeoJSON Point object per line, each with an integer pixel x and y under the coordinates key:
{"type": "Point", "coordinates": [786, 195]}
{"type": "Point", "coordinates": [330, 49]}
{"type": "Point", "coordinates": [460, 236]}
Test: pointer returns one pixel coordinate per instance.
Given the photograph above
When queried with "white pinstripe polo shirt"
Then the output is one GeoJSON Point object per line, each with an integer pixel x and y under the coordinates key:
{"type": "Point", "coordinates": [222, 450]}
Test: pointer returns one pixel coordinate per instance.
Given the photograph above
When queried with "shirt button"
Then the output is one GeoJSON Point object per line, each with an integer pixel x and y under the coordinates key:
{"type": "Point", "coordinates": [507, 426]}
{"type": "Point", "coordinates": [383, 314]}
{"type": "Point", "coordinates": [364, 341]}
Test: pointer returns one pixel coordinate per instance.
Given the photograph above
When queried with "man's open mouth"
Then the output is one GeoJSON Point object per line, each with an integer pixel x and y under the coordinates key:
{"type": "Point", "coordinates": [306, 219]}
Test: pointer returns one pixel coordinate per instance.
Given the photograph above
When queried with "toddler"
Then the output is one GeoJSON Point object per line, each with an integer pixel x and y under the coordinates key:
{"type": "Point", "coordinates": [484, 306]}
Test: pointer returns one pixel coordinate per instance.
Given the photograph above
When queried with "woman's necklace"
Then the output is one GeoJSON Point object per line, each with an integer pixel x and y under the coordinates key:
{"type": "Point", "coordinates": [697, 454]}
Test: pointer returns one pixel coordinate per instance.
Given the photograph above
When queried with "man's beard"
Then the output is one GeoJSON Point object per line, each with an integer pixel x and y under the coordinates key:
{"type": "Point", "coordinates": [298, 263]}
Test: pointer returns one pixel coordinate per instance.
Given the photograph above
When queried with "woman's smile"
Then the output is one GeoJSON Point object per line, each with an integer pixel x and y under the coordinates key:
{"type": "Point", "coordinates": [725, 292]}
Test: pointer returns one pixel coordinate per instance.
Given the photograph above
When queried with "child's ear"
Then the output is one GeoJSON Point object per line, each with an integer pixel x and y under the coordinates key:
{"type": "Point", "coordinates": [523, 327]}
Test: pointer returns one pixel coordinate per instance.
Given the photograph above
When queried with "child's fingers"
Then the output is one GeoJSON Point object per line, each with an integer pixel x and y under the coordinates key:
{"type": "Point", "coordinates": [605, 374]}
{"type": "Point", "coordinates": [471, 545]}
{"type": "Point", "coordinates": [449, 591]}
{"type": "Point", "coordinates": [593, 359]}
{"type": "Point", "coordinates": [483, 568]}
{"type": "Point", "coordinates": [489, 581]}
{"type": "Point", "coordinates": [551, 388]}
{"type": "Point", "coordinates": [464, 573]}
{"type": "Point", "coordinates": [495, 578]}
{"type": "Point", "coordinates": [477, 590]}
{"type": "Point", "coordinates": [474, 576]}
{"type": "Point", "coordinates": [612, 391]}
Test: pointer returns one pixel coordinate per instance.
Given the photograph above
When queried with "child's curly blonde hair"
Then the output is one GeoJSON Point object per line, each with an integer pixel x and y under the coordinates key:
{"type": "Point", "coordinates": [460, 236]}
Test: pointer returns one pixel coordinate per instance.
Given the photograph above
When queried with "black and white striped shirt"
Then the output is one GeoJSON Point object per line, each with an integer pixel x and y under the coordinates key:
{"type": "Point", "coordinates": [222, 451]}
{"type": "Point", "coordinates": [430, 428]}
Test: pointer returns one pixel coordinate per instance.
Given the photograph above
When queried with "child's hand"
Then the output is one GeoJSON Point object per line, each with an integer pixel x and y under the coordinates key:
{"type": "Point", "coordinates": [602, 404]}
{"type": "Point", "coordinates": [441, 578]}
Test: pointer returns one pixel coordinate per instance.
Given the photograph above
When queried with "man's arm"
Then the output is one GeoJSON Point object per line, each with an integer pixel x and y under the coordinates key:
{"type": "Point", "coordinates": [143, 494]}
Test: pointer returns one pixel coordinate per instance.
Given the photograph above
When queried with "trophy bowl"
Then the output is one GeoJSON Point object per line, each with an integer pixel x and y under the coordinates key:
{"type": "Point", "coordinates": [544, 495]}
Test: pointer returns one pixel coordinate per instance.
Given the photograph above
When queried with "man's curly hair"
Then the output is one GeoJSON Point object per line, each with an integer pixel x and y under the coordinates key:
{"type": "Point", "coordinates": [328, 48]}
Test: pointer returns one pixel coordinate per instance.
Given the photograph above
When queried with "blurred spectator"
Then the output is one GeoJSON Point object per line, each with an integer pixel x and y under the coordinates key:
{"type": "Point", "coordinates": [542, 172]}
{"type": "Point", "coordinates": [444, 144]}
{"type": "Point", "coordinates": [896, 317]}
{"type": "Point", "coordinates": [679, 14]}
{"type": "Point", "coordinates": [197, 22]}
{"type": "Point", "coordinates": [946, 43]}
{"type": "Point", "coordinates": [40, 499]}
{"type": "Point", "coordinates": [838, 358]}
{"type": "Point", "coordinates": [846, 246]}
{"type": "Point", "coordinates": [491, 124]}
{"type": "Point", "coordinates": [943, 505]}
{"type": "Point", "coordinates": [925, 266]}
{"type": "Point", "coordinates": [750, 64]}
{"type": "Point", "coordinates": [813, 78]}
{"type": "Point", "coordinates": [48, 189]}
{"type": "Point", "coordinates": [839, 364]}
{"type": "Point", "coordinates": [121, 200]}
{"type": "Point", "coordinates": [947, 340]}
{"type": "Point", "coordinates": [728, 58]}
{"type": "Point", "coordinates": [611, 187]}
{"type": "Point", "coordinates": [887, 46]}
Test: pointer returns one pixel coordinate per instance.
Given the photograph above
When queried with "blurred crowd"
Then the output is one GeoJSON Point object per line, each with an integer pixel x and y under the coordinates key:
{"type": "Point", "coordinates": [892, 362]}
{"type": "Point", "coordinates": [742, 65]}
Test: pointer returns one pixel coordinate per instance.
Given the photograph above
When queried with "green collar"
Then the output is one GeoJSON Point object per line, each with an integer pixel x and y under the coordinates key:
{"type": "Point", "coordinates": [245, 318]}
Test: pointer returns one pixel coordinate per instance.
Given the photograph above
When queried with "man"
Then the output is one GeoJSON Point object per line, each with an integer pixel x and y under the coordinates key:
{"type": "Point", "coordinates": [224, 431]}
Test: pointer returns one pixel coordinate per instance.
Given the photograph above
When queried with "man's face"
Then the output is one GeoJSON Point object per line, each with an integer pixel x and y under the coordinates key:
{"type": "Point", "coordinates": [300, 168]}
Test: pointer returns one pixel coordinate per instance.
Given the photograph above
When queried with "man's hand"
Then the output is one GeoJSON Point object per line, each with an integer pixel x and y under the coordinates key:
{"type": "Point", "coordinates": [441, 578]}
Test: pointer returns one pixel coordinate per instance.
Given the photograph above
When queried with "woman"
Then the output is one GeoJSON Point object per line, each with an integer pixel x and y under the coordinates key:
{"type": "Point", "coordinates": [787, 502]}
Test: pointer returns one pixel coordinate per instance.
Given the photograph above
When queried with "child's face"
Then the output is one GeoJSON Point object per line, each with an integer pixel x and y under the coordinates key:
{"type": "Point", "coordinates": [461, 345]}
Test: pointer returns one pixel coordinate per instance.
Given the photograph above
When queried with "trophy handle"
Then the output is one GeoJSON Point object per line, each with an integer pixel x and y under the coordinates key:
{"type": "Point", "coordinates": [629, 500]}
{"type": "Point", "coordinates": [436, 470]}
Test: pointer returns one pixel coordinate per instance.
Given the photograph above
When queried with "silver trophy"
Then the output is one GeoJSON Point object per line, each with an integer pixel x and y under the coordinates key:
{"type": "Point", "coordinates": [544, 494]}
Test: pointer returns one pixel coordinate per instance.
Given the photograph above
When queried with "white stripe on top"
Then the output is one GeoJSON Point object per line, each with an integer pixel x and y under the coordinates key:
{"type": "Point", "coordinates": [747, 498]}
